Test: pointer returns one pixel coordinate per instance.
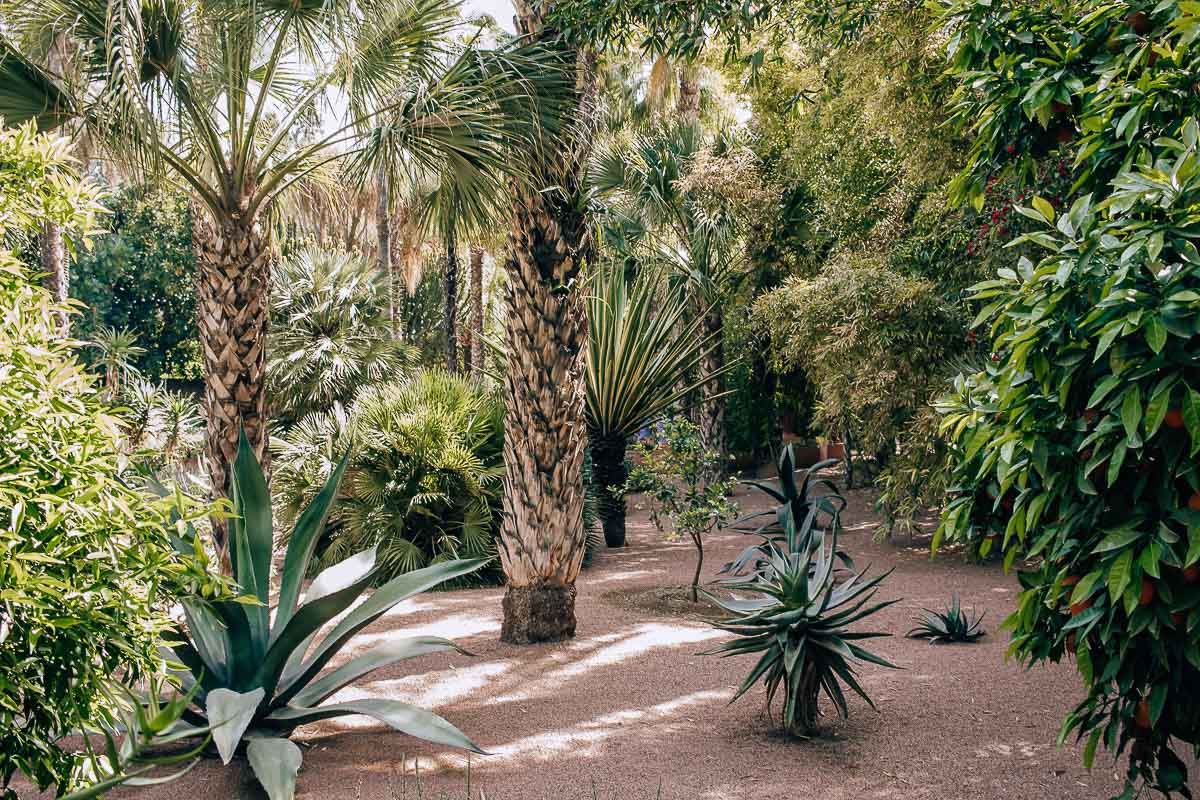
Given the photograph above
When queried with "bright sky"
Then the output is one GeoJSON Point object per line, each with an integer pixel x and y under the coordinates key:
{"type": "Point", "coordinates": [502, 10]}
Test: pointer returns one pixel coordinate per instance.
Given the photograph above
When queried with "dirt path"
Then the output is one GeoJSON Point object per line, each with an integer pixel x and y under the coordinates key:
{"type": "Point", "coordinates": [629, 710]}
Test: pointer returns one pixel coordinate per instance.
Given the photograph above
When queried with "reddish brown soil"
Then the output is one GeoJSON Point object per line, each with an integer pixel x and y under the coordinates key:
{"type": "Point", "coordinates": [629, 711]}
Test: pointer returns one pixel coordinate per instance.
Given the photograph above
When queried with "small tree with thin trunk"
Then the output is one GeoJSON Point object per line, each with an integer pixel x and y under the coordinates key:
{"type": "Point", "coordinates": [672, 472]}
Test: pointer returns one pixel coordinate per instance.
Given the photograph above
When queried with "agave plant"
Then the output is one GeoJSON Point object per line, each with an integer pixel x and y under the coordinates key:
{"type": "Point", "coordinates": [260, 678]}
{"type": "Point", "coordinates": [798, 522]}
{"type": "Point", "coordinates": [641, 348]}
{"type": "Point", "coordinates": [951, 625]}
{"type": "Point", "coordinates": [799, 629]}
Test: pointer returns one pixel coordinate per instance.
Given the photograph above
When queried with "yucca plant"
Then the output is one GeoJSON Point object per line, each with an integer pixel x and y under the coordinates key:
{"type": "Point", "coordinates": [641, 348]}
{"type": "Point", "coordinates": [798, 522]}
{"type": "Point", "coordinates": [260, 678]}
{"type": "Point", "coordinates": [951, 625]}
{"type": "Point", "coordinates": [118, 350]}
{"type": "Point", "coordinates": [798, 626]}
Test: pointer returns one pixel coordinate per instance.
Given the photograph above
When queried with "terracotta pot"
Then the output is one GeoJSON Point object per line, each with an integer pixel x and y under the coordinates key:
{"type": "Point", "coordinates": [806, 455]}
{"type": "Point", "coordinates": [832, 450]}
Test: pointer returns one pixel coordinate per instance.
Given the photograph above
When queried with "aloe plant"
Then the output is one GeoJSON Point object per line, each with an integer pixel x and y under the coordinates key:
{"type": "Point", "coordinates": [798, 627]}
{"type": "Point", "coordinates": [259, 678]}
{"type": "Point", "coordinates": [951, 625]}
{"type": "Point", "coordinates": [799, 520]}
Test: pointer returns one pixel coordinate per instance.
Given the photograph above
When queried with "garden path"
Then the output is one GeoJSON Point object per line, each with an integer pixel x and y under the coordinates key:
{"type": "Point", "coordinates": [629, 711]}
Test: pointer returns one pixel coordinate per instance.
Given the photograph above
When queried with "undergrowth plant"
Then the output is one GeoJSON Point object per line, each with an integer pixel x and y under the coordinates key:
{"type": "Point", "coordinates": [672, 471]}
{"type": "Point", "coordinates": [951, 625]}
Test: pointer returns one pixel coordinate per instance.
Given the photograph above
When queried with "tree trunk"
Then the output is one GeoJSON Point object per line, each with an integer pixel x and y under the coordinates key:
{"type": "Point", "coordinates": [383, 231]}
{"type": "Point", "coordinates": [55, 277]}
{"type": "Point", "coordinates": [451, 312]}
{"type": "Point", "coordinates": [233, 283]}
{"type": "Point", "coordinates": [847, 443]}
{"type": "Point", "coordinates": [807, 712]}
{"type": "Point", "coordinates": [697, 539]}
{"type": "Point", "coordinates": [477, 309]}
{"type": "Point", "coordinates": [711, 409]}
{"type": "Point", "coordinates": [542, 536]}
{"type": "Point", "coordinates": [689, 95]}
{"type": "Point", "coordinates": [608, 470]}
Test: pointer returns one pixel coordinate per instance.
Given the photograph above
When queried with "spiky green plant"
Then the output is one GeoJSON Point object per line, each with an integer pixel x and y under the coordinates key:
{"type": "Point", "coordinates": [262, 677]}
{"type": "Point", "coordinates": [423, 480]}
{"type": "Point", "coordinates": [641, 349]}
{"type": "Point", "coordinates": [800, 519]}
{"type": "Point", "coordinates": [331, 333]}
{"type": "Point", "coordinates": [951, 625]}
{"type": "Point", "coordinates": [117, 352]}
{"type": "Point", "coordinates": [799, 629]}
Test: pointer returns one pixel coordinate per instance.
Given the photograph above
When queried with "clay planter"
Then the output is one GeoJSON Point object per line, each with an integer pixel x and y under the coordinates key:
{"type": "Point", "coordinates": [833, 450]}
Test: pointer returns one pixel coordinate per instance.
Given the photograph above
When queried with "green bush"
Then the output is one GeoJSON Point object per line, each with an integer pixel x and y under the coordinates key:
{"type": "Point", "coordinates": [86, 566]}
{"type": "Point", "coordinates": [140, 277]}
{"type": "Point", "coordinates": [424, 478]}
{"type": "Point", "coordinates": [874, 343]}
{"type": "Point", "coordinates": [1078, 442]}
{"type": "Point", "coordinates": [330, 335]}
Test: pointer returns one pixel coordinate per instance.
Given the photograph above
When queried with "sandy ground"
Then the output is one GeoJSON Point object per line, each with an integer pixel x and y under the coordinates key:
{"type": "Point", "coordinates": [629, 710]}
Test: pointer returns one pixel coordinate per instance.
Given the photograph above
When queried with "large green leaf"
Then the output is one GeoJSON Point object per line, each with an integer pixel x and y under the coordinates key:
{"type": "Point", "coordinates": [209, 638]}
{"type": "Point", "coordinates": [403, 717]}
{"type": "Point", "coordinates": [333, 591]}
{"type": "Point", "coordinates": [308, 528]}
{"type": "Point", "coordinates": [395, 591]}
{"type": "Point", "coordinates": [253, 539]}
{"type": "Point", "coordinates": [381, 656]}
{"type": "Point", "coordinates": [275, 763]}
{"type": "Point", "coordinates": [229, 714]}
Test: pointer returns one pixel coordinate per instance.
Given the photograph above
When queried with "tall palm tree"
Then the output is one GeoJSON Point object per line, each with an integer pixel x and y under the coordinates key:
{"type": "Point", "coordinates": [542, 536]}
{"type": "Point", "coordinates": [641, 346]}
{"type": "Point", "coordinates": [476, 290]}
{"type": "Point", "coordinates": [208, 90]}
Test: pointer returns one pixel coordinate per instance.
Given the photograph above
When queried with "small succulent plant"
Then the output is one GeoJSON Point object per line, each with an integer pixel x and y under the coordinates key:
{"type": "Point", "coordinates": [951, 625]}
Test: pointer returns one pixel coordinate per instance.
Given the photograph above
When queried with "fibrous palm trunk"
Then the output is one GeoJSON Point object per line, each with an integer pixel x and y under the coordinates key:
{"type": "Point", "coordinates": [808, 692]}
{"type": "Point", "coordinates": [477, 309]}
{"type": "Point", "coordinates": [542, 535]}
{"type": "Point", "coordinates": [711, 408]}
{"type": "Point", "coordinates": [232, 303]}
{"type": "Point", "coordinates": [383, 233]}
{"type": "Point", "coordinates": [609, 470]}
{"type": "Point", "coordinates": [54, 268]}
{"type": "Point", "coordinates": [451, 310]}
{"type": "Point", "coordinates": [688, 104]}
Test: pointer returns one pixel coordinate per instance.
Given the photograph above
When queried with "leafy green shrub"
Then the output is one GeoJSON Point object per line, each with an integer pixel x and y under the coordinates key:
{"type": "Point", "coordinates": [951, 625]}
{"type": "Point", "coordinates": [1077, 443]}
{"type": "Point", "coordinates": [672, 471]}
{"type": "Point", "coordinates": [798, 629]}
{"type": "Point", "coordinates": [874, 343]}
{"type": "Point", "coordinates": [261, 677]}
{"type": "Point", "coordinates": [140, 276]}
{"type": "Point", "coordinates": [424, 475]}
{"type": "Point", "coordinates": [330, 332]}
{"type": "Point", "coordinates": [87, 571]}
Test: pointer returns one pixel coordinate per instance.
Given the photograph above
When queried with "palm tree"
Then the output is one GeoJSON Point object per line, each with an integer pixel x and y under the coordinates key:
{"type": "Point", "coordinates": [332, 337]}
{"type": "Point", "coordinates": [542, 535]}
{"type": "Point", "coordinates": [209, 91]}
{"type": "Point", "coordinates": [475, 362]}
{"type": "Point", "coordinates": [641, 343]}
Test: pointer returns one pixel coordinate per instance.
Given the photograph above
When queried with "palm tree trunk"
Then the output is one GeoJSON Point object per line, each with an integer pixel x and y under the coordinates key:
{"type": "Point", "coordinates": [55, 276]}
{"type": "Point", "coordinates": [542, 536]}
{"type": "Point", "coordinates": [608, 470]}
{"type": "Point", "coordinates": [477, 309]}
{"type": "Point", "coordinates": [689, 94]}
{"type": "Point", "coordinates": [383, 231]}
{"type": "Point", "coordinates": [711, 409]}
{"type": "Point", "coordinates": [451, 311]}
{"type": "Point", "coordinates": [233, 285]}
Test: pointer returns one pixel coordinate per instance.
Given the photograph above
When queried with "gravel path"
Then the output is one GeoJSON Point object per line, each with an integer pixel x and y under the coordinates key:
{"type": "Point", "coordinates": [629, 711]}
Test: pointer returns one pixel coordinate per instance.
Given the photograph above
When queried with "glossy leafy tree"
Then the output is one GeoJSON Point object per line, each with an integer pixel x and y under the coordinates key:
{"type": "Point", "coordinates": [1077, 443]}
